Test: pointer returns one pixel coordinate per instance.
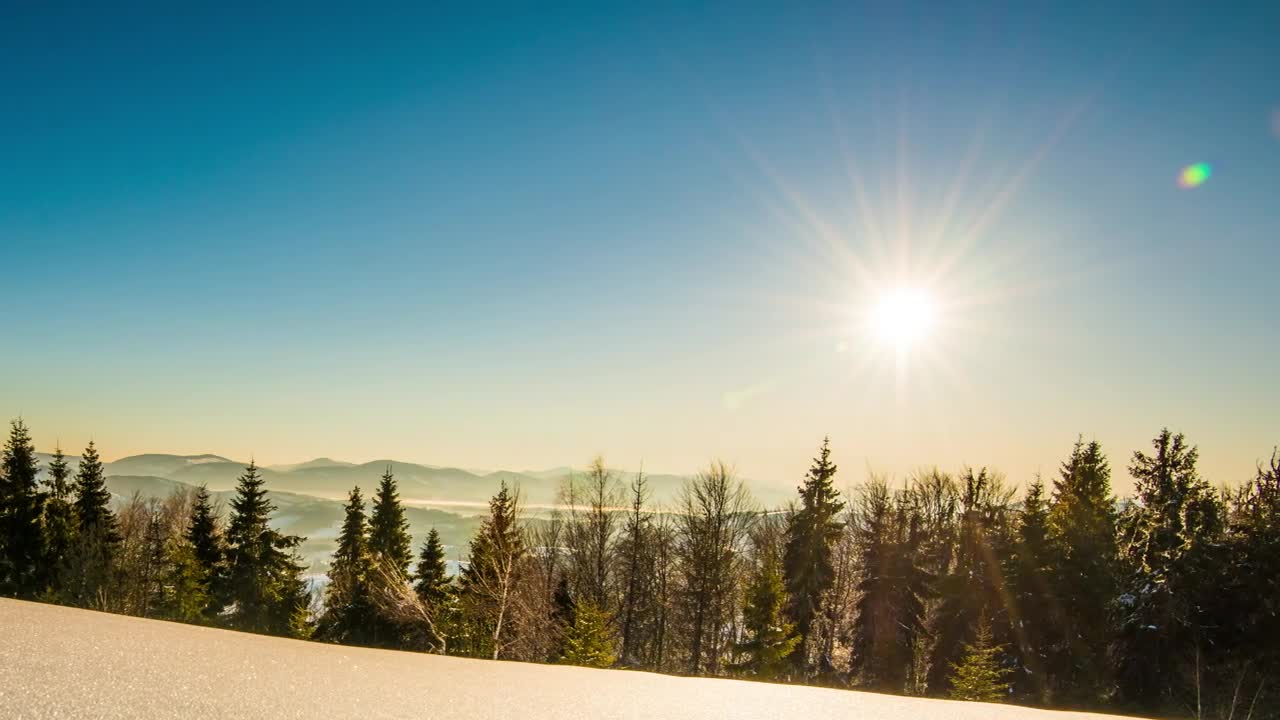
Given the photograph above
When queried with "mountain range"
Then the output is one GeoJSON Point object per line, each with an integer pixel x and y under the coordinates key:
{"type": "Point", "coordinates": [309, 496]}
{"type": "Point", "coordinates": [419, 484]}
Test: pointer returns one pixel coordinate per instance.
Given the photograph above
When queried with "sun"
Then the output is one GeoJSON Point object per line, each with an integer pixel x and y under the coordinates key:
{"type": "Point", "coordinates": [903, 317]}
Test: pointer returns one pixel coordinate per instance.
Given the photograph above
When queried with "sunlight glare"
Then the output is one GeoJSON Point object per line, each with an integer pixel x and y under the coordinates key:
{"type": "Point", "coordinates": [903, 317]}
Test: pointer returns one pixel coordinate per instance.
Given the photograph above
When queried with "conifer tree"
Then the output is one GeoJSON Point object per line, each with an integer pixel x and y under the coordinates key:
{"type": "Point", "coordinates": [631, 549]}
{"type": "Point", "coordinates": [587, 641]}
{"type": "Point", "coordinates": [389, 539]}
{"type": "Point", "coordinates": [59, 522]}
{"type": "Point", "coordinates": [1030, 579]}
{"type": "Point", "coordinates": [974, 587]}
{"type": "Point", "coordinates": [979, 676]}
{"type": "Point", "coordinates": [1246, 609]}
{"type": "Point", "coordinates": [893, 588]}
{"type": "Point", "coordinates": [207, 554]}
{"type": "Point", "coordinates": [88, 576]}
{"type": "Point", "coordinates": [491, 578]}
{"type": "Point", "coordinates": [770, 638]}
{"type": "Point", "coordinates": [1082, 534]}
{"type": "Point", "coordinates": [1168, 545]}
{"type": "Point", "coordinates": [265, 588]}
{"type": "Point", "coordinates": [22, 547]}
{"type": "Point", "coordinates": [432, 578]}
{"type": "Point", "coordinates": [811, 535]}
{"type": "Point", "coordinates": [349, 610]}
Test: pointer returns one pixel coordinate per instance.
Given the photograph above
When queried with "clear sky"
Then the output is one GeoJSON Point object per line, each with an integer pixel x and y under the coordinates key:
{"type": "Point", "coordinates": [515, 237]}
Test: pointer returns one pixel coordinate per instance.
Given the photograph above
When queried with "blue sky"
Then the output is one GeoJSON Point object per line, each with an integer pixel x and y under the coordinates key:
{"type": "Point", "coordinates": [515, 237]}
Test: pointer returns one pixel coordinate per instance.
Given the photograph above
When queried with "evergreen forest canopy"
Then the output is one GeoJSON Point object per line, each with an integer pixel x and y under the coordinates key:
{"type": "Point", "coordinates": [947, 584]}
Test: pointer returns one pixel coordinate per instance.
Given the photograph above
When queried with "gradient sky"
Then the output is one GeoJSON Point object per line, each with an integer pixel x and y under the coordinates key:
{"type": "Point", "coordinates": [516, 237]}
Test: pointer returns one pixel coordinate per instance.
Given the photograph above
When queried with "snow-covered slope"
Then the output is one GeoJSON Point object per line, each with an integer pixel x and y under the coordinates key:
{"type": "Point", "coordinates": [63, 663]}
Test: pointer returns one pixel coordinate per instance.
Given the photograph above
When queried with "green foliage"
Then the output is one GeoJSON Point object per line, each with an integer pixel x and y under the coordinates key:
{"type": "Point", "coordinates": [265, 588]}
{"type": "Point", "coordinates": [893, 589]}
{"type": "Point", "coordinates": [974, 585]}
{"type": "Point", "coordinates": [812, 531]}
{"type": "Point", "coordinates": [979, 676]}
{"type": "Point", "coordinates": [59, 523]}
{"type": "Point", "coordinates": [588, 642]}
{"type": "Point", "coordinates": [1170, 547]}
{"type": "Point", "coordinates": [207, 554]}
{"type": "Point", "coordinates": [87, 575]}
{"type": "Point", "coordinates": [350, 615]}
{"type": "Point", "coordinates": [22, 549]}
{"type": "Point", "coordinates": [432, 584]}
{"type": "Point", "coordinates": [389, 539]}
{"type": "Point", "coordinates": [771, 639]}
{"type": "Point", "coordinates": [1030, 574]}
{"type": "Point", "coordinates": [491, 577]}
{"type": "Point", "coordinates": [1082, 535]}
{"type": "Point", "coordinates": [187, 584]}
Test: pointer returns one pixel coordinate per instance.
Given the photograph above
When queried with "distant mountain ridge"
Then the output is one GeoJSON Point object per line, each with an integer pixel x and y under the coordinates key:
{"type": "Point", "coordinates": [329, 478]}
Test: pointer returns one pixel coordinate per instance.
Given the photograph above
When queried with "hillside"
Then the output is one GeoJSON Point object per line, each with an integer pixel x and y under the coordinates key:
{"type": "Point", "coordinates": [316, 519]}
{"type": "Point", "coordinates": [60, 662]}
{"type": "Point", "coordinates": [422, 484]}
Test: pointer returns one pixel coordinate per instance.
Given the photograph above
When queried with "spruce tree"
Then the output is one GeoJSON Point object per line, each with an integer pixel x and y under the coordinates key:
{"type": "Point", "coordinates": [1246, 609]}
{"type": "Point", "coordinates": [974, 586]}
{"type": "Point", "coordinates": [1082, 534]}
{"type": "Point", "coordinates": [59, 522]}
{"type": "Point", "coordinates": [349, 611]}
{"type": "Point", "coordinates": [1169, 540]}
{"type": "Point", "coordinates": [811, 534]}
{"type": "Point", "coordinates": [22, 547]}
{"type": "Point", "coordinates": [265, 588]}
{"type": "Point", "coordinates": [389, 539]}
{"type": "Point", "coordinates": [87, 580]}
{"type": "Point", "coordinates": [770, 638]}
{"type": "Point", "coordinates": [588, 642]}
{"type": "Point", "coordinates": [491, 577]}
{"type": "Point", "coordinates": [432, 579]}
{"type": "Point", "coordinates": [893, 589]}
{"type": "Point", "coordinates": [979, 676]}
{"type": "Point", "coordinates": [207, 553]}
{"type": "Point", "coordinates": [1031, 595]}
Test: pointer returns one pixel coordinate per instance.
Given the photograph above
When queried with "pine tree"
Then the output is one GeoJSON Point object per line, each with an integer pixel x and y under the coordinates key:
{"type": "Point", "coordinates": [22, 547]}
{"type": "Point", "coordinates": [811, 536]}
{"type": "Point", "coordinates": [1245, 611]}
{"type": "Point", "coordinates": [1082, 534]}
{"type": "Point", "coordinates": [1030, 577]}
{"type": "Point", "coordinates": [87, 579]}
{"type": "Point", "coordinates": [265, 587]}
{"type": "Point", "coordinates": [187, 597]}
{"type": "Point", "coordinates": [1169, 541]}
{"type": "Point", "coordinates": [491, 578]}
{"type": "Point", "coordinates": [349, 610]}
{"type": "Point", "coordinates": [974, 587]}
{"type": "Point", "coordinates": [979, 676]}
{"type": "Point", "coordinates": [587, 641]}
{"type": "Point", "coordinates": [893, 589]}
{"type": "Point", "coordinates": [631, 550]}
{"type": "Point", "coordinates": [771, 639]}
{"type": "Point", "coordinates": [432, 583]}
{"type": "Point", "coordinates": [207, 554]}
{"type": "Point", "coordinates": [59, 523]}
{"type": "Point", "coordinates": [389, 539]}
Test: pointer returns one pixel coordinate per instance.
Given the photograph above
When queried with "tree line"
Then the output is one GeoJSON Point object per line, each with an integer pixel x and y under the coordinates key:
{"type": "Point", "coordinates": [947, 584]}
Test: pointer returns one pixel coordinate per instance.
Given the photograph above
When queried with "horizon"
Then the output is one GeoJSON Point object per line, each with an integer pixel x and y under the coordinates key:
{"type": "Point", "coordinates": [943, 237]}
{"type": "Point", "coordinates": [1121, 480]}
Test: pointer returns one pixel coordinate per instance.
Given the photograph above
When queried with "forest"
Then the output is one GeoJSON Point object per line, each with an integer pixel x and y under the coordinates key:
{"type": "Point", "coordinates": [945, 584]}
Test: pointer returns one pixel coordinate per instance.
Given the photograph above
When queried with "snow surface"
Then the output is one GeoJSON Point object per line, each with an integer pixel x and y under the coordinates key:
{"type": "Point", "coordinates": [60, 662]}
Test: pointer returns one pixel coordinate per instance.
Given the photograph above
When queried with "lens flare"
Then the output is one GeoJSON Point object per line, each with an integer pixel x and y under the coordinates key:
{"type": "Point", "coordinates": [1193, 176]}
